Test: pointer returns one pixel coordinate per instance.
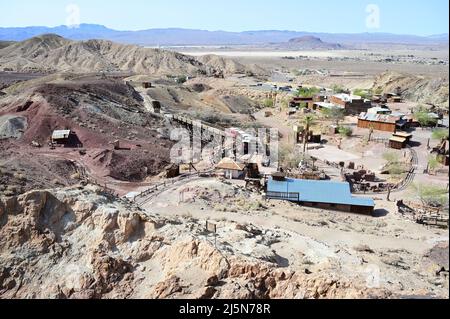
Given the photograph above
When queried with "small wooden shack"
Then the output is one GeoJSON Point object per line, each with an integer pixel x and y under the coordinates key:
{"type": "Point", "coordinates": [231, 169]}
{"type": "Point", "coordinates": [66, 138]}
{"type": "Point", "coordinates": [406, 135]}
{"type": "Point", "coordinates": [397, 142]}
{"type": "Point", "coordinates": [400, 140]}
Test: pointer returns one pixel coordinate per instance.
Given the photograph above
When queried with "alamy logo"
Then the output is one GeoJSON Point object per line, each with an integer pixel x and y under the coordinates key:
{"type": "Point", "coordinates": [373, 273]}
{"type": "Point", "coordinates": [203, 143]}
{"type": "Point", "coordinates": [73, 19]}
{"type": "Point", "coordinates": [373, 19]}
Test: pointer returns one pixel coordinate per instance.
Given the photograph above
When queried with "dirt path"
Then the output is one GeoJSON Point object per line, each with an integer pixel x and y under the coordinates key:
{"type": "Point", "coordinates": [275, 122]}
{"type": "Point", "coordinates": [167, 203]}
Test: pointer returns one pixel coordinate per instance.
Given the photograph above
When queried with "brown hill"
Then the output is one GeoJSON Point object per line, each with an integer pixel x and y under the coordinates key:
{"type": "Point", "coordinates": [230, 66]}
{"type": "Point", "coordinates": [310, 42]}
{"type": "Point", "coordinates": [100, 112]}
{"type": "Point", "coordinates": [415, 88]}
{"type": "Point", "coordinates": [51, 53]}
{"type": "Point", "coordinates": [4, 44]}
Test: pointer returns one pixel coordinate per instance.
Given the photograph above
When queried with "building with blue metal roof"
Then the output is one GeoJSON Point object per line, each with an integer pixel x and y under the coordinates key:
{"type": "Point", "coordinates": [321, 194]}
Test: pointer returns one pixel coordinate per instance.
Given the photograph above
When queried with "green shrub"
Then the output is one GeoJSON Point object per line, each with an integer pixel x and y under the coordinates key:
{"type": "Point", "coordinates": [337, 89]}
{"type": "Point", "coordinates": [345, 131]}
{"type": "Point", "coordinates": [307, 92]}
{"type": "Point", "coordinates": [268, 103]}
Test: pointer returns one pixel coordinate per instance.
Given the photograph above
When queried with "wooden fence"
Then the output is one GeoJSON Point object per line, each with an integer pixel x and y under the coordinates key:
{"type": "Point", "coordinates": [295, 197]}
{"type": "Point", "coordinates": [170, 182]}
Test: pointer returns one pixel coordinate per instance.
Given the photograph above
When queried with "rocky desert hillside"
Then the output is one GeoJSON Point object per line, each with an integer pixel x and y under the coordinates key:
{"type": "Point", "coordinates": [416, 88]}
{"type": "Point", "coordinates": [100, 111]}
{"type": "Point", "coordinates": [51, 53]}
{"type": "Point", "coordinates": [4, 44]}
{"type": "Point", "coordinates": [230, 66]}
{"type": "Point", "coordinates": [80, 243]}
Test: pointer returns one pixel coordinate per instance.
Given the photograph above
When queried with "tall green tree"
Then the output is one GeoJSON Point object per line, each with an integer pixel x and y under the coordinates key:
{"type": "Point", "coordinates": [307, 122]}
{"type": "Point", "coordinates": [425, 119]}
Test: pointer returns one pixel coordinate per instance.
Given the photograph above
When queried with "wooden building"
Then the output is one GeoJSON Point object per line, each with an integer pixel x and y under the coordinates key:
{"type": "Point", "coordinates": [397, 142]}
{"type": "Point", "coordinates": [380, 122]}
{"type": "Point", "coordinates": [406, 135]}
{"type": "Point", "coordinates": [231, 169]}
{"type": "Point", "coordinates": [307, 102]}
{"type": "Point", "coordinates": [300, 101]}
{"type": "Point", "coordinates": [66, 138]}
{"type": "Point", "coordinates": [353, 104]}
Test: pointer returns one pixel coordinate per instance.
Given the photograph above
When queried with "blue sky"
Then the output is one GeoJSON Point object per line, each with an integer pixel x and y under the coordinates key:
{"type": "Point", "coordinates": [421, 17]}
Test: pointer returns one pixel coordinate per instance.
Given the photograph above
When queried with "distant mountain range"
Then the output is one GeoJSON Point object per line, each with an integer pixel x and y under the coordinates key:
{"type": "Point", "coordinates": [173, 36]}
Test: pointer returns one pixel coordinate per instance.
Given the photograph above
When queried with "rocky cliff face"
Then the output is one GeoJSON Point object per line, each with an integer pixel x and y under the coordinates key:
{"type": "Point", "coordinates": [415, 88]}
{"type": "Point", "coordinates": [79, 243]}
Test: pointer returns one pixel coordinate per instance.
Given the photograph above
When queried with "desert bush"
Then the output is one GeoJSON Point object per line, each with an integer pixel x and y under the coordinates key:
{"type": "Point", "coordinates": [365, 94]}
{"type": "Point", "coordinates": [396, 169]}
{"type": "Point", "coordinates": [433, 163]}
{"type": "Point", "coordinates": [288, 157]}
{"type": "Point", "coordinates": [307, 92]}
{"type": "Point", "coordinates": [338, 89]}
{"type": "Point", "coordinates": [391, 157]}
{"type": "Point", "coordinates": [430, 194]}
{"type": "Point", "coordinates": [440, 134]}
{"type": "Point", "coordinates": [181, 79]}
{"type": "Point", "coordinates": [345, 131]}
{"type": "Point", "coordinates": [334, 114]}
{"type": "Point", "coordinates": [268, 103]}
{"type": "Point", "coordinates": [378, 91]}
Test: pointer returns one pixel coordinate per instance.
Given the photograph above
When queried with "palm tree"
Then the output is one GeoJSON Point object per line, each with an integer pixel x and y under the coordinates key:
{"type": "Point", "coordinates": [307, 121]}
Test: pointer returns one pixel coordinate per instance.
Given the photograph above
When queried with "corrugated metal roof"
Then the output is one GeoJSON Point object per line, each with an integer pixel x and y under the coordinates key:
{"type": "Point", "coordinates": [319, 192]}
{"type": "Point", "coordinates": [60, 134]}
{"type": "Point", "coordinates": [379, 118]}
